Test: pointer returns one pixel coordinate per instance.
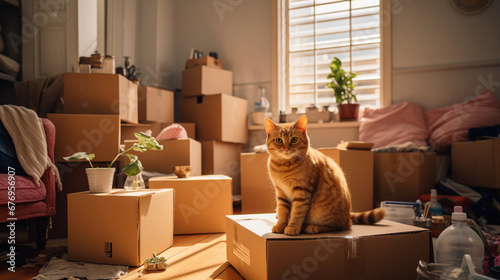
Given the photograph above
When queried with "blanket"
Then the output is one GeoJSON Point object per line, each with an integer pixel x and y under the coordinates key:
{"type": "Point", "coordinates": [28, 135]}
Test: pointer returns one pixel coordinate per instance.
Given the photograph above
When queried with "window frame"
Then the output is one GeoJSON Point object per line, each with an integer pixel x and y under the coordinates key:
{"type": "Point", "coordinates": [279, 54]}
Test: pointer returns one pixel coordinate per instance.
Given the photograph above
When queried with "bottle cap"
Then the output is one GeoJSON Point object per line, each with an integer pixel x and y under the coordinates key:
{"type": "Point", "coordinates": [458, 214]}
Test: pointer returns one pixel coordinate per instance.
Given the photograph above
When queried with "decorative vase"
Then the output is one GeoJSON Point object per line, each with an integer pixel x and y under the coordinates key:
{"type": "Point", "coordinates": [348, 111]}
{"type": "Point", "coordinates": [135, 182]}
{"type": "Point", "coordinates": [100, 179]}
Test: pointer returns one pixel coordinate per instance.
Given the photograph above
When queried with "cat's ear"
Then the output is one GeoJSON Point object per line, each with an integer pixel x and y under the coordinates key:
{"type": "Point", "coordinates": [270, 125]}
{"type": "Point", "coordinates": [301, 124]}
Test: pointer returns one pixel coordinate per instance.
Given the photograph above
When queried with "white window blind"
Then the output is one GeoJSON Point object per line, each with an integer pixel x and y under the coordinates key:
{"type": "Point", "coordinates": [320, 30]}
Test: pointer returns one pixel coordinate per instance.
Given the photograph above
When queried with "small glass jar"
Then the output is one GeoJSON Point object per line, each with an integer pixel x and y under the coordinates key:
{"type": "Point", "coordinates": [134, 183]}
{"type": "Point", "coordinates": [96, 63]}
{"type": "Point", "coordinates": [84, 64]}
{"type": "Point", "coordinates": [109, 64]}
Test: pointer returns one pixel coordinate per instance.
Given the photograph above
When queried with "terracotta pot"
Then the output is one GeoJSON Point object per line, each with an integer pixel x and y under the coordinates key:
{"type": "Point", "coordinates": [348, 111]}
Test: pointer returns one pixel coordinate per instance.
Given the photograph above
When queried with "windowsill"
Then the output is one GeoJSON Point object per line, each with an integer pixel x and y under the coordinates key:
{"type": "Point", "coordinates": [345, 124]}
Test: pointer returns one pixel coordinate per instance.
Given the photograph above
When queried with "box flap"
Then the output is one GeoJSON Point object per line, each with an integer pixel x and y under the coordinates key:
{"type": "Point", "coordinates": [261, 224]}
{"type": "Point", "coordinates": [355, 145]}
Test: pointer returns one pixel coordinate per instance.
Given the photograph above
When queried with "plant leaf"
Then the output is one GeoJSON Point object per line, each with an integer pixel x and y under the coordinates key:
{"type": "Point", "coordinates": [132, 168]}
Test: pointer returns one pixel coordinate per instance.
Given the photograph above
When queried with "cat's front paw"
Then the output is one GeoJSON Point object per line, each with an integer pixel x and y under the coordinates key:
{"type": "Point", "coordinates": [291, 230]}
{"type": "Point", "coordinates": [279, 228]}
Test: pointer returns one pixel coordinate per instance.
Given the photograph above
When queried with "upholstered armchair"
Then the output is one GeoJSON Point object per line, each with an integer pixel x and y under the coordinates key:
{"type": "Point", "coordinates": [32, 201]}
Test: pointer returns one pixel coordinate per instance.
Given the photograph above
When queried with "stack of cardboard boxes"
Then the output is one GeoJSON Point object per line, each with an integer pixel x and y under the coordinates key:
{"type": "Point", "coordinates": [94, 108]}
{"type": "Point", "coordinates": [221, 119]}
{"type": "Point", "coordinates": [202, 202]}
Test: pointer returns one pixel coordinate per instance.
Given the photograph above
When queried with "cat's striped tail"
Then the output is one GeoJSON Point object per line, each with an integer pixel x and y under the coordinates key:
{"type": "Point", "coordinates": [368, 217]}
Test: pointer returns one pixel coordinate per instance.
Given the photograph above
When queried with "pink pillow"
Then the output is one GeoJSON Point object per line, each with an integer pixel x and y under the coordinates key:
{"type": "Point", "coordinates": [173, 131]}
{"type": "Point", "coordinates": [450, 124]}
{"type": "Point", "coordinates": [394, 125]}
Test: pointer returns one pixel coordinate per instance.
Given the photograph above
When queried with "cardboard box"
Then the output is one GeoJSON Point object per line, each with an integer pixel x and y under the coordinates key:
{"type": "Point", "coordinates": [476, 163]}
{"type": "Point", "coordinates": [222, 158]}
{"type": "Point", "coordinates": [403, 176]}
{"type": "Point", "coordinates": [204, 80]}
{"type": "Point", "coordinates": [98, 134]}
{"type": "Point", "coordinates": [128, 130]}
{"type": "Point", "coordinates": [74, 179]}
{"type": "Point", "coordinates": [155, 105]}
{"type": "Point", "coordinates": [257, 190]}
{"type": "Point", "coordinates": [175, 152]}
{"type": "Point", "coordinates": [388, 250]}
{"type": "Point", "coordinates": [218, 117]}
{"type": "Point", "coordinates": [201, 202]}
{"type": "Point", "coordinates": [358, 170]}
{"type": "Point", "coordinates": [205, 60]}
{"type": "Point", "coordinates": [109, 94]}
{"type": "Point", "coordinates": [121, 227]}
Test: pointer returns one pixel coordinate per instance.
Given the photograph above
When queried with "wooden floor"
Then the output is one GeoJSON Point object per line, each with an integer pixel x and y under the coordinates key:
{"type": "Point", "coordinates": [201, 256]}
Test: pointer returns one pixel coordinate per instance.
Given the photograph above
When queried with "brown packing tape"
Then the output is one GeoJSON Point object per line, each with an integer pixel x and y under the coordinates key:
{"type": "Point", "coordinates": [354, 257]}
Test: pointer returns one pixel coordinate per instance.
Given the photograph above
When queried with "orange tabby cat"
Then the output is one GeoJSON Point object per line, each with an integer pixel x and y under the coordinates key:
{"type": "Point", "coordinates": [311, 191]}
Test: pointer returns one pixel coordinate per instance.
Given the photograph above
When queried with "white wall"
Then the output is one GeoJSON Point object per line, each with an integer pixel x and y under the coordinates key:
{"type": "Point", "coordinates": [87, 27]}
{"type": "Point", "coordinates": [440, 56]}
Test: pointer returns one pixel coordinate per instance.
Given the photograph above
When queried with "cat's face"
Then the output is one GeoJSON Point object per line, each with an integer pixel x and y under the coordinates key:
{"type": "Point", "coordinates": [289, 140]}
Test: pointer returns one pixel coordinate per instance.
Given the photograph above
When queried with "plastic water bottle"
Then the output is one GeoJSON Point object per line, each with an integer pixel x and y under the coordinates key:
{"type": "Point", "coordinates": [435, 208]}
{"type": "Point", "coordinates": [457, 240]}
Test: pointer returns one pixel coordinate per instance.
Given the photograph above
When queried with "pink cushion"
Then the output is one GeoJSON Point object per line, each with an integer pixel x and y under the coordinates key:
{"type": "Point", "coordinates": [173, 131]}
{"type": "Point", "coordinates": [450, 124]}
{"type": "Point", "coordinates": [394, 125]}
{"type": "Point", "coordinates": [25, 190]}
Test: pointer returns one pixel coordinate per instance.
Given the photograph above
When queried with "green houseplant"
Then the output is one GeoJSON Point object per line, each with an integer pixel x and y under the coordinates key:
{"type": "Point", "coordinates": [343, 87]}
{"type": "Point", "coordinates": [101, 179]}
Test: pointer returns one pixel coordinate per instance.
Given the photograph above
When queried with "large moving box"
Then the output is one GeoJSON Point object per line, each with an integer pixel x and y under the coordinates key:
{"type": "Point", "coordinates": [476, 163]}
{"type": "Point", "coordinates": [174, 153]}
{"type": "Point", "coordinates": [388, 250]}
{"type": "Point", "coordinates": [204, 80]}
{"type": "Point", "coordinates": [74, 179]}
{"type": "Point", "coordinates": [108, 94]}
{"type": "Point", "coordinates": [403, 176]}
{"type": "Point", "coordinates": [201, 202]}
{"type": "Point", "coordinates": [121, 227]}
{"type": "Point", "coordinates": [219, 117]}
{"type": "Point", "coordinates": [128, 130]}
{"type": "Point", "coordinates": [358, 170]}
{"type": "Point", "coordinates": [98, 134]}
{"type": "Point", "coordinates": [257, 189]}
{"type": "Point", "coordinates": [222, 158]}
{"type": "Point", "coordinates": [155, 105]}
{"type": "Point", "coordinates": [258, 194]}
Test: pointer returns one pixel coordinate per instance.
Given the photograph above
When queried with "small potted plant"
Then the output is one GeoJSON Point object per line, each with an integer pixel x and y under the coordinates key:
{"type": "Point", "coordinates": [343, 87]}
{"type": "Point", "coordinates": [155, 263]}
{"type": "Point", "coordinates": [101, 179]}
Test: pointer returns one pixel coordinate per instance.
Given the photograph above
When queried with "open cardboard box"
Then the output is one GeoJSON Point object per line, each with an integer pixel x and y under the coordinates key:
{"type": "Point", "coordinates": [387, 250]}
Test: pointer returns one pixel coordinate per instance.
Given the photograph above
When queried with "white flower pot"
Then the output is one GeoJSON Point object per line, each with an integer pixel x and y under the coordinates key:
{"type": "Point", "coordinates": [100, 179]}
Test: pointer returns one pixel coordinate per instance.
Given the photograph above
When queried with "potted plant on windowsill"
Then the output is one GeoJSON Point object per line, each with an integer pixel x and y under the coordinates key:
{"type": "Point", "coordinates": [101, 179]}
{"type": "Point", "coordinates": [343, 87]}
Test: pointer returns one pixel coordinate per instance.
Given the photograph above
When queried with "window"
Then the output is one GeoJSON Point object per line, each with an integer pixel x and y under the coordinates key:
{"type": "Point", "coordinates": [316, 31]}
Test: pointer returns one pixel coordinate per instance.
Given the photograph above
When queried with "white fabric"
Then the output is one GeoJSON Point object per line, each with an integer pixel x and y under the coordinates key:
{"type": "Point", "coordinates": [60, 269]}
{"type": "Point", "coordinates": [28, 135]}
